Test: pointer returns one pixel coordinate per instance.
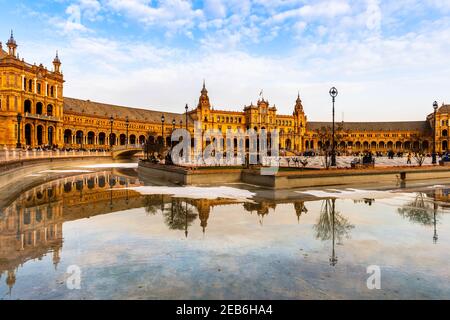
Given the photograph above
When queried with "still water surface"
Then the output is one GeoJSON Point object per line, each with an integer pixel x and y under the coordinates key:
{"type": "Point", "coordinates": [133, 239]}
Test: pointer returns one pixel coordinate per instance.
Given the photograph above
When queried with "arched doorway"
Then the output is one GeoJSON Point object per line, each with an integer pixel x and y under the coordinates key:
{"type": "Point", "coordinates": [288, 144]}
{"type": "Point", "coordinates": [40, 135]}
{"type": "Point", "coordinates": [132, 139]}
{"type": "Point", "coordinates": [79, 137]}
{"type": "Point", "coordinates": [123, 139]}
{"type": "Point", "coordinates": [112, 139]}
{"type": "Point", "coordinates": [373, 146]}
{"type": "Point", "coordinates": [101, 138]}
{"type": "Point", "coordinates": [51, 135]}
{"type": "Point", "coordinates": [358, 145]}
{"type": "Point", "coordinates": [444, 145]}
{"type": "Point", "coordinates": [398, 145]}
{"type": "Point", "coordinates": [28, 134]}
{"type": "Point", "coordinates": [407, 145]}
{"type": "Point", "coordinates": [365, 145]}
{"type": "Point", "coordinates": [381, 145]}
{"type": "Point", "coordinates": [67, 136]}
{"type": "Point", "coordinates": [141, 139]}
{"type": "Point", "coordinates": [91, 138]}
{"type": "Point", "coordinates": [390, 145]}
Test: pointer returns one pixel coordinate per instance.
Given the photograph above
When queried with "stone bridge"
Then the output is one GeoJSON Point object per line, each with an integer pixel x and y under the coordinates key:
{"type": "Point", "coordinates": [126, 151]}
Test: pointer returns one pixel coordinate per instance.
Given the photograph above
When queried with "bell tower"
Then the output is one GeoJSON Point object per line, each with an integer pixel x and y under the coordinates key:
{"type": "Point", "coordinates": [12, 45]}
{"type": "Point", "coordinates": [300, 123]}
{"type": "Point", "coordinates": [57, 64]}
{"type": "Point", "coordinates": [203, 102]}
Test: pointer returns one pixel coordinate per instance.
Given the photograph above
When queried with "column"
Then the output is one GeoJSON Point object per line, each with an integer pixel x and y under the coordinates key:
{"type": "Point", "coordinates": [35, 85]}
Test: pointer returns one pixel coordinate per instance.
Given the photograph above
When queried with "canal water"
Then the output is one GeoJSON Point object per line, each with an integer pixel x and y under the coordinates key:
{"type": "Point", "coordinates": [102, 232]}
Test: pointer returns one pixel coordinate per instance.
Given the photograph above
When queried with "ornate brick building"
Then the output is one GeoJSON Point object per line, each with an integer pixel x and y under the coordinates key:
{"type": "Point", "coordinates": [34, 112]}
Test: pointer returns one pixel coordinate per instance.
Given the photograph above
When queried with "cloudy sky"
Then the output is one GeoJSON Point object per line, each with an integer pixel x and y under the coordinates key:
{"type": "Point", "coordinates": [389, 59]}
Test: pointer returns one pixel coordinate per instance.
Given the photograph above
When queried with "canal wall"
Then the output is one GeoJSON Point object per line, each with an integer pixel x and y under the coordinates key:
{"type": "Point", "coordinates": [292, 179]}
{"type": "Point", "coordinates": [15, 172]}
{"type": "Point", "coordinates": [186, 176]}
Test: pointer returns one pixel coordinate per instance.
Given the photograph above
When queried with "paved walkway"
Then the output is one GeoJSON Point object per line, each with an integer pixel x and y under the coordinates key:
{"type": "Point", "coordinates": [345, 162]}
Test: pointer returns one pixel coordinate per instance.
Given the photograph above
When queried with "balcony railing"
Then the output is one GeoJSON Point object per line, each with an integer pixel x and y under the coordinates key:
{"type": "Point", "coordinates": [41, 117]}
{"type": "Point", "coordinates": [7, 155]}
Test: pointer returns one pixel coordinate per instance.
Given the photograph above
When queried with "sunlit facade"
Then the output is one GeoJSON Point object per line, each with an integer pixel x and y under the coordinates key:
{"type": "Point", "coordinates": [50, 119]}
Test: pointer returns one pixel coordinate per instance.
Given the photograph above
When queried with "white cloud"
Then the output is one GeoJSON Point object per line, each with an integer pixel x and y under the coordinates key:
{"type": "Point", "coordinates": [171, 14]}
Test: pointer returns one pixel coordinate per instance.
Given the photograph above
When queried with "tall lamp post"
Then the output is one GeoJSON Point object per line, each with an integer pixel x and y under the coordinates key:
{"type": "Point", "coordinates": [435, 107]}
{"type": "Point", "coordinates": [333, 94]}
{"type": "Point", "coordinates": [127, 124]}
{"type": "Point", "coordinates": [19, 120]}
{"type": "Point", "coordinates": [111, 122]}
{"type": "Point", "coordinates": [186, 108]}
{"type": "Point", "coordinates": [162, 129]}
{"type": "Point", "coordinates": [173, 129]}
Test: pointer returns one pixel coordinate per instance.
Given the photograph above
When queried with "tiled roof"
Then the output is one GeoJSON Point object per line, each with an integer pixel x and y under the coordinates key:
{"type": "Point", "coordinates": [444, 108]}
{"type": "Point", "coordinates": [422, 126]}
{"type": "Point", "coordinates": [97, 109]}
{"type": "Point", "coordinates": [2, 53]}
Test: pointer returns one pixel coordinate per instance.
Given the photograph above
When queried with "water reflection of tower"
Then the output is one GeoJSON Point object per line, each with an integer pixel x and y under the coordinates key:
{"type": "Point", "coordinates": [300, 208]}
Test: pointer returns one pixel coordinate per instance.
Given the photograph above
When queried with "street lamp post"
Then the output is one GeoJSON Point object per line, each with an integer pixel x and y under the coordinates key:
{"type": "Point", "coordinates": [127, 124]}
{"type": "Point", "coordinates": [162, 129]}
{"type": "Point", "coordinates": [186, 108]}
{"type": "Point", "coordinates": [173, 129]}
{"type": "Point", "coordinates": [19, 120]}
{"type": "Point", "coordinates": [111, 122]}
{"type": "Point", "coordinates": [435, 107]}
{"type": "Point", "coordinates": [333, 94]}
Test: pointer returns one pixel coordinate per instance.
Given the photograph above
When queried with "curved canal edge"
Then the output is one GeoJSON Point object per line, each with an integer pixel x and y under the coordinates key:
{"type": "Point", "coordinates": [15, 172]}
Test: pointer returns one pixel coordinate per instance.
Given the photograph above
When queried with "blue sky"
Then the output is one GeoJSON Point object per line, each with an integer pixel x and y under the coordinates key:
{"type": "Point", "coordinates": [389, 59]}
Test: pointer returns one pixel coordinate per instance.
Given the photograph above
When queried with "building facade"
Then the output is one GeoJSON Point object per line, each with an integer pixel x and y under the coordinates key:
{"type": "Point", "coordinates": [34, 112]}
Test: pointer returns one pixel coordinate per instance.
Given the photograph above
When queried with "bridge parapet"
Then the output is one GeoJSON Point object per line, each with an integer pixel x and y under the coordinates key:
{"type": "Point", "coordinates": [126, 151]}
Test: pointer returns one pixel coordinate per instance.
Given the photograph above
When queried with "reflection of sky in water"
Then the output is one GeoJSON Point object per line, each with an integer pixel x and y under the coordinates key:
{"type": "Point", "coordinates": [134, 254]}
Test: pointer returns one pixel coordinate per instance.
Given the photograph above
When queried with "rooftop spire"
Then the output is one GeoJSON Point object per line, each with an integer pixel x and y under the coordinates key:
{"type": "Point", "coordinates": [12, 45]}
{"type": "Point", "coordinates": [204, 91]}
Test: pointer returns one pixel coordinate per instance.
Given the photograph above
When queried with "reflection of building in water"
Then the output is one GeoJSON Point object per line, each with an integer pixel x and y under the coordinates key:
{"type": "Point", "coordinates": [31, 226]}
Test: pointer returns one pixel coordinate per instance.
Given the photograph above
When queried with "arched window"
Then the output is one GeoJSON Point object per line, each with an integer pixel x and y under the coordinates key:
{"type": "Point", "coordinates": [39, 108]}
{"type": "Point", "coordinates": [27, 106]}
{"type": "Point", "coordinates": [50, 110]}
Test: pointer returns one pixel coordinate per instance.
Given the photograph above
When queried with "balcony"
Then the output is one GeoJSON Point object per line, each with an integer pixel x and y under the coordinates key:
{"type": "Point", "coordinates": [41, 117]}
